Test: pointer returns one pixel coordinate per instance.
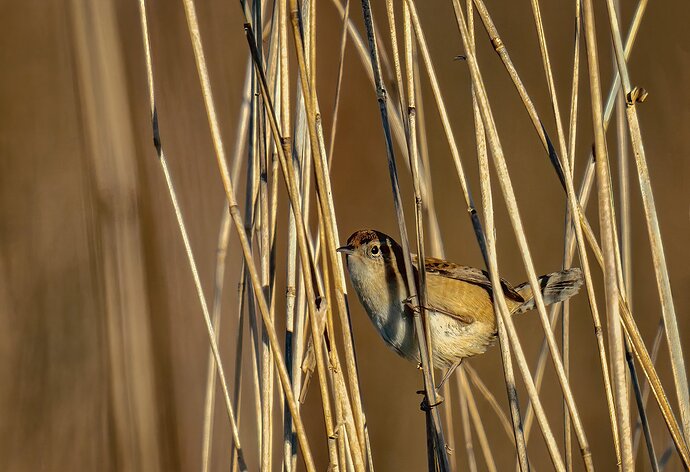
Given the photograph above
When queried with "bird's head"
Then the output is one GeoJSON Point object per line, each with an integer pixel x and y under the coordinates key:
{"type": "Point", "coordinates": [371, 253]}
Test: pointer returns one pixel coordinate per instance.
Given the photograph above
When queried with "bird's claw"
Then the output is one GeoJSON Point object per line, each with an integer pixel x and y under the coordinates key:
{"type": "Point", "coordinates": [424, 405]}
{"type": "Point", "coordinates": [409, 304]}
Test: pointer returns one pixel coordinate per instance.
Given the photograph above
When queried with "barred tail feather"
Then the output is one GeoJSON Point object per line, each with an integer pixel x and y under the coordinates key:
{"type": "Point", "coordinates": [555, 287]}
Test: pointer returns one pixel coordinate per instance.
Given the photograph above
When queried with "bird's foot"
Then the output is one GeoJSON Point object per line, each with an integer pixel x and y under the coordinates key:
{"type": "Point", "coordinates": [425, 405]}
{"type": "Point", "coordinates": [409, 303]}
{"type": "Point", "coordinates": [448, 373]}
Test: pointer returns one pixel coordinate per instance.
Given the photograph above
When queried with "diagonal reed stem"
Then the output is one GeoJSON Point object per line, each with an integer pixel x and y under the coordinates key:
{"type": "Point", "coordinates": [436, 450]}
{"type": "Point", "coordinates": [608, 243]}
{"type": "Point", "coordinates": [185, 238]}
{"type": "Point", "coordinates": [328, 212]}
{"type": "Point", "coordinates": [516, 221]}
{"type": "Point", "coordinates": [502, 51]}
{"type": "Point", "coordinates": [325, 199]}
{"type": "Point", "coordinates": [658, 256]}
{"type": "Point", "coordinates": [477, 422]}
{"type": "Point", "coordinates": [290, 179]}
{"type": "Point", "coordinates": [223, 240]}
{"type": "Point", "coordinates": [246, 249]}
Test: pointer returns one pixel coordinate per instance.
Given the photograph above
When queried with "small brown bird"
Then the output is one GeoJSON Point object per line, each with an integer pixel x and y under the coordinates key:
{"type": "Point", "coordinates": [459, 299]}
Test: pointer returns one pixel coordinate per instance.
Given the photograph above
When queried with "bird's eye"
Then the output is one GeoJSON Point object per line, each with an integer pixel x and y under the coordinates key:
{"type": "Point", "coordinates": [375, 251]}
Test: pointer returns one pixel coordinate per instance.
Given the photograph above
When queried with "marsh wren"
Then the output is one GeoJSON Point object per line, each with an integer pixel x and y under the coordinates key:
{"type": "Point", "coordinates": [459, 302]}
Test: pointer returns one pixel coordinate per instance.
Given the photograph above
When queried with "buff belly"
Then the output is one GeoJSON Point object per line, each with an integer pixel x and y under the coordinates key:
{"type": "Point", "coordinates": [453, 340]}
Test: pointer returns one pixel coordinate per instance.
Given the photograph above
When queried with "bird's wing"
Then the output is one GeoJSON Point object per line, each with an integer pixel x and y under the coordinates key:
{"type": "Point", "coordinates": [467, 274]}
{"type": "Point", "coordinates": [464, 293]}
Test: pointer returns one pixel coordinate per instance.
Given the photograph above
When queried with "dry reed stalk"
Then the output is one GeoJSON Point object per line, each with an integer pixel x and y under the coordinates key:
{"type": "Point", "coordinates": [264, 258]}
{"type": "Point", "coordinates": [475, 221]}
{"type": "Point", "coordinates": [354, 415]}
{"type": "Point", "coordinates": [339, 81]}
{"type": "Point", "coordinates": [347, 437]}
{"type": "Point", "coordinates": [480, 139]}
{"type": "Point", "coordinates": [509, 376]}
{"type": "Point", "coordinates": [477, 421]}
{"type": "Point", "coordinates": [240, 143]}
{"type": "Point", "coordinates": [419, 165]}
{"type": "Point", "coordinates": [500, 308]}
{"type": "Point", "coordinates": [567, 182]}
{"type": "Point", "coordinates": [412, 150]}
{"type": "Point", "coordinates": [436, 452]}
{"type": "Point", "coordinates": [394, 114]}
{"type": "Point", "coordinates": [424, 180]}
{"type": "Point", "coordinates": [427, 190]}
{"type": "Point", "coordinates": [251, 204]}
{"type": "Point", "coordinates": [647, 364]}
{"type": "Point", "coordinates": [656, 344]}
{"type": "Point", "coordinates": [246, 249]}
{"type": "Point", "coordinates": [644, 359]}
{"type": "Point", "coordinates": [641, 408]}
{"type": "Point", "coordinates": [443, 114]}
{"type": "Point", "coordinates": [490, 399]}
{"type": "Point", "coordinates": [325, 199]}
{"type": "Point", "coordinates": [295, 294]}
{"type": "Point", "coordinates": [306, 259]}
{"type": "Point", "coordinates": [546, 62]}
{"type": "Point", "coordinates": [219, 276]}
{"type": "Point", "coordinates": [302, 160]}
{"type": "Point", "coordinates": [658, 256]}
{"type": "Point", "coordinates": [327, 208]}
{"type": "Point", "coordinates": [446, 393]}
{"type": "Point", "coordinates": [502, 51]}
{"type": "Point", "coordinates": [331, 351]}
{"type": "Point", "coordinates": [310, 46]}
{"type": "Point", "coordinates": [252, 225]}
{"type": "Point", "coordinates": [626, 259]}
{"type": "Point", "coordinates": [625, 307]}
{"type": "Point", "coordinates": [239, 349]}
{"type": "Point", "coordinates": [587, 182]}
{"type": "Point", "coordinates": [390, 13]}
{"type": "Point", "coordinates": [290, 179]}
{"type": "Point", "coordinates": [185, 238]}
{"type": "Point", "coordinates": [289, 438]}
{"type": "Point", "coordinates": [437, 95]}
{"type": "Point", "coordinates": [347, 427]}
{"type": "Point", "coordinates": [515, 219]}
{"type": "Point", "coordinates": [467, 432]}
{"type": "Point", "coordinates": [624, 223]}
{"type": "Point", "coordinates": [273, 241]}
{"type": "Point", "coordinates": [565, 153]}
{"type": "Point", "coordinates": [608, 243]}
{"type": "Point", "coordinates": [571, 194]}
{"type": "Point", "coordinates": [277, 83]}
{"type": "Point", "coordinates": [565, 320]}
{"type": "Point", "coordinates": [657, 388]}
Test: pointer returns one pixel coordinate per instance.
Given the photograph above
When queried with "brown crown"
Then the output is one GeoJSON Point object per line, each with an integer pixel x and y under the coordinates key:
{"type": "Point", "coordinates": [364, 236]}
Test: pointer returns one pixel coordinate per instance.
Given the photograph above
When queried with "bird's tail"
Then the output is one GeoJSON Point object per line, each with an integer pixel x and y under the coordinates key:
{"type": "Point", "coordinates": [555, 287]}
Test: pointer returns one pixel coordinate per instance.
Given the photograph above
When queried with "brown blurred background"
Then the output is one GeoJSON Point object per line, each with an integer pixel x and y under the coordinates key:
{"type": "Point", "coordinates": [103, 350]}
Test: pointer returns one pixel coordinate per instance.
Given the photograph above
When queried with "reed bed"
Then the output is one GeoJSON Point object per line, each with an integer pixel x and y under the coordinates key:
{"type": "Point", "coordinates": [281, 144]}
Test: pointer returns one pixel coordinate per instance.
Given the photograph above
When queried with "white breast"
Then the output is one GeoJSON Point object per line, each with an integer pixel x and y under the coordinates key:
{"type": "Point", "coordinates": [383, 303]}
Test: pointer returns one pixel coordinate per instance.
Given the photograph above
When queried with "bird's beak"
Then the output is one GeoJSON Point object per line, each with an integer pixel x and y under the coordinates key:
{"type": "Point", "coordinates": [347, 250]}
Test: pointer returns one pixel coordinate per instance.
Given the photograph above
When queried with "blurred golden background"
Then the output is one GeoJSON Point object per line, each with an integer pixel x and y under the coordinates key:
{"type": "Point", "coordinates": [103, 350]}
